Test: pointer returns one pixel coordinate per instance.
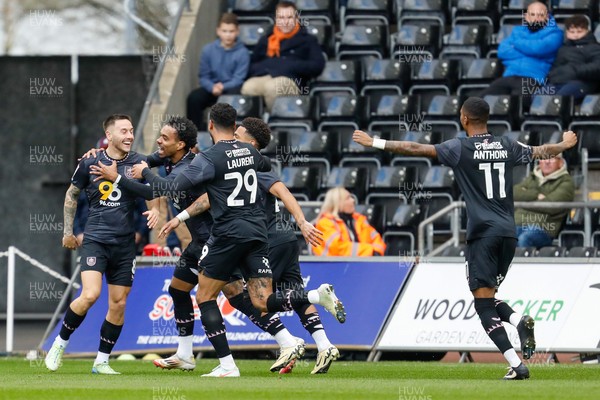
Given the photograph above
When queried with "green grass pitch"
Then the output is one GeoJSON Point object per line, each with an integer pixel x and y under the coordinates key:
{"type": "Point", "coordinates": [22, 379]}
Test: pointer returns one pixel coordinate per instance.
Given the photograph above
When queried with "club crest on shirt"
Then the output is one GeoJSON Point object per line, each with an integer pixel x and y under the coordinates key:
{"type": "Point", "coordinates": [128, 172]}
{"type": "Point", "coordinates": [91, 261]}
{"type": "Point", "coordinates": [229, 153]}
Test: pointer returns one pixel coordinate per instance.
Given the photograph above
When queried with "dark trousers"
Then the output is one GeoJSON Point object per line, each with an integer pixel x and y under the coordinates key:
{"type": "Point", "coordinates": [200, 99]}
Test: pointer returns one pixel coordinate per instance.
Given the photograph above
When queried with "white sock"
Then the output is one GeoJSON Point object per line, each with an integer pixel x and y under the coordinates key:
{"type": "Point", "coordinates": [227, 362]}
{"type": "Point", "coordinates": [61, 341]}
{"type": "Point", "coordinates": [101, 357]}
{"type": "Point", "coordinates": [512, 358]}
{"type": "Point", "coordinates": [515, 318]}
{"type": "Point", "coordinates": [321, 340]}
{"type": "Point", "coordinates": [313, 297]}
{"type": "Point", "coordinates": [285, 339]}
{"type": "Point", "coordinates": [185, 346]}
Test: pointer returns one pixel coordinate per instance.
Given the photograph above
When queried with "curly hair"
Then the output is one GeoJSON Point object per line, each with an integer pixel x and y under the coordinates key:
{"type": "Point", "coordinates": [223, 115]}
{"type": "Point", "coordinates": [186, 130]}
{"type": "Point", "coordinates": [259, 130]}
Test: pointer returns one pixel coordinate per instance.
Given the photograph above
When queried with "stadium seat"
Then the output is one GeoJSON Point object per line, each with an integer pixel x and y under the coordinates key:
{"type": "Point", "coordinates": [387, 112]}
{"type": "Point", "coordinates": [325, 36]}
{"type": "Point", "coordinates": [384, 76]}
{"type": "Point", "coordinates": [311, 210]}
{"type": "Point", "coordinates": [254, 10]}
{"type": "Point", "coordinates": [503, 32]}
{"type": "Point", "coordinates": [374, 214]}
{"type": "Point", "coordinates": [466, 41]}
{"type": "Point", "coordinates": [317, 10]}
{"type": "Point", "coordinates": [583, 252]}
{"type": "Point", "coordinates": [477, 11]}
{"type": "Point", "coordinates": [367, 12]}
{"type": "Point", "coordinates": [354, 179]}
{"type": "Point", "coordinates": [405, 216]}
{"type": "Point", "coordinates": [204, 141]}
{"type": "Point", "coordinates": [435, 77]}
{"type": "Point", "coordinates": [505, 111]}
{"type": "Point", "coordinates": [279, 140]}
{"type": "Point", "coordinates": [303, 182]}
{"type": "Point", "coordinates": [399, 243]}
{"type": "Point", "coordinates": [454, 251]}
{"type": "Point", "coordinates": [423, 12]}
{"type": "Point", "coordinates": [439, 178]}
{"type": "Point", "coordinates": [342, 109]}
{"type": "Point", "coordinates": [433, 203]}
{"type": "Point", "coordinates": [562, 9]}
{"type": "Point", "coordinates": [525, 251]}
{"type": "Point", "coordinates": [552, 251]}
{"type": "Point", "coordinates": [250, 33]}
{"type": "Point", "coordinates": [245, 106]}
{"type": "Point", "coordinates": [513, 11]}
{"type": "Point", "coordinates": [416, 43]}
{"type": "Point", "coordinates": [547, 114]}
{"type": "Point", "coordinates": [338, 76]}
{"type": "Point", "coordinates": [392, 178]}
{"type": "Point", "coordinates": [570, 238]}
{"type": "Point", "coordinates": [314, 144]}
{"type": "Point", "coordinates": [352, 152]}
{"type": "Point", "coordinates": [362, 40]}
{"type": "Point", "coordinates": [293, 112]}
{"type": "Point", "coordinates": [477, 74]}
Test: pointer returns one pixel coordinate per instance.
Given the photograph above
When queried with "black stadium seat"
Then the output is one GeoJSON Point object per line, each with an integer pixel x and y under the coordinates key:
{"type": "Point", "coordinates": [245, 106]}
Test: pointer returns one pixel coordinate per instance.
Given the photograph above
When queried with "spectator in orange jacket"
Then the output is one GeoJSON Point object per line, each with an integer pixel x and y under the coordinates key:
{"type": "Point", "coordinates": [346, 232]}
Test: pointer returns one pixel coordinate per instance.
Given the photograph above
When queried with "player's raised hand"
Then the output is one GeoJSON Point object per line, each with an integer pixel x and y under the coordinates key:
{"type": "Point", "coordinates": [107, 172]}
{"type": "Point", "coordinates": [362, 138]}
{"type": "Point", "coordinates": [70, 242]}
{"type": "Point", "coordinates": [151, 217]}
{"type": "Point", "coordinates": [137, 169]}
{"type": "Point", "coordinates": [312, 235]}
{"type": "Point", "coordinates": [168, 227]}
{"type": "Point", "coordinates": [570, 139]}
{"type": "Point", "coordinates": [92, 153]}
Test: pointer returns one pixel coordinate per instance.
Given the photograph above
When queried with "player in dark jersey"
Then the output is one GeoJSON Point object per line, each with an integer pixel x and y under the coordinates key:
{"type": "Point", "coordinates": [283, 250]}
{"type": "Point", "coordinates": [483, 167]}
{"type": "Point", "coordinates": [176, 138]}
{"type": "Point", "coordinates": [108, 245]}
{"type": "Point", "coordinates": [239, 234]}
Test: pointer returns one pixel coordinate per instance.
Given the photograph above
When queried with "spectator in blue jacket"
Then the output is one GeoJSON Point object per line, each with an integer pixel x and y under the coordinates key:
{"type": "Point", "coordinates": [223, 67]}
{"type": "Point", "coordinates": [527, 54]}
{"type": "Point", "coordinates": [284, 59]}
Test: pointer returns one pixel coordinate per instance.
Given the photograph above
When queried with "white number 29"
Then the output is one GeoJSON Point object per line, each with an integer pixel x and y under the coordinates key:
{"type": "Point", "coordinates": [245, 181]}
{"type": "Point", "coordinates": [487, 168]}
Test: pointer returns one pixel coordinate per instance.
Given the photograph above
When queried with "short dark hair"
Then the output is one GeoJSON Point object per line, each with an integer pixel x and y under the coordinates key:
{"type": "Point", "coordinates": [229, 18]}
{"type": "Point", "coordinates": [223, 115]}
{"type": "Point", "coordinates": [186, 130]}
{"type": "Point", "coordinates": [286, 4]}
{"type": "Point", "coordinates": [577, 21]}
{"type": "Point", "coordinates": [259, 130]}
{"type": "Point", "coordinates": [476, 108]}
{"type": "Point", "coordinates": [110, 120]}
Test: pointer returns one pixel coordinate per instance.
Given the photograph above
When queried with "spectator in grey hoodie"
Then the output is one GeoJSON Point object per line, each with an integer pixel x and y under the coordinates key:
{"type": "Point", "coordinates": [223, 67]}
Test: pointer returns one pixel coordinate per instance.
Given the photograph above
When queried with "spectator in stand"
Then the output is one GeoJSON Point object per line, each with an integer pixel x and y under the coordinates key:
{"type": "Point", "coordinates": [223, 67]}
{"type": "Point", "coordinates": [550, 181]}
{"type": "Point", "coordinates": [284, 59]}
{"type": "Point", "coordinates": [346, 232]}
{"type": "Point", "coordinates": [576, 70]}
{"type": "Point", "coordinates": [527, 54]}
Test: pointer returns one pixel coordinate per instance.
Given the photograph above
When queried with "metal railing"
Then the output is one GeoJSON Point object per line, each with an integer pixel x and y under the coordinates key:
{"type": "Point", "coordinates": [455, 222]}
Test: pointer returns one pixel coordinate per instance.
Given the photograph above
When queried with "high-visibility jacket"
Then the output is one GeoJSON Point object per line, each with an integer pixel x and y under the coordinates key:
{"type": "Point", "coordinates": [337, 242]}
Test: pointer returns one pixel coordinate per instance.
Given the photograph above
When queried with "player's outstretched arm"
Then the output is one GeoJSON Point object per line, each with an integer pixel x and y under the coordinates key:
{"type": "Point", "coordinates": [70, 208]}
{"type": "Point", "coordinates": [312, 235]}
{"type": "Point", "coordinates": [393, 146]}
{"type": "Point", "coordinates": [546, 151]}
{"type": "Point", "coordinates": [196, 208]}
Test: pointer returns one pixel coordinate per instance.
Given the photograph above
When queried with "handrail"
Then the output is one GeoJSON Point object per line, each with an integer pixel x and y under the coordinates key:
{"type": "Point", "coordinates": [153, 91]}
{"type": "Point", "coordinates": [142, 23]}
{"type": "Point", "coordinates": [529, 204]}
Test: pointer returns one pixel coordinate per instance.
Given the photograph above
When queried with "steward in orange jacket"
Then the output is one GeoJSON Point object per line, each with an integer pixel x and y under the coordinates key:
{"type": "Point", "coordinates": [338, 238]}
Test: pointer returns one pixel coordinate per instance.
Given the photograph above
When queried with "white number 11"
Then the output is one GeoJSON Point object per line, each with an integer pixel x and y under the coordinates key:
{"type": "Point", "coordinates": [487, 168]}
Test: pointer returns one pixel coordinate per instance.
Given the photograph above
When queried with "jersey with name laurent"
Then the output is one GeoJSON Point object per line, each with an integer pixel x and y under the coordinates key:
{"type": "Point", "coordinates": [111, 216]}
{"type": "Point", "coordinates": [229, 170]}
{"type": "Point", "coordinates": [280, 227]}
{"type": "Point", "coordinates": [483, 168]}
{"type": "Point", "coordinates": [200, 225]}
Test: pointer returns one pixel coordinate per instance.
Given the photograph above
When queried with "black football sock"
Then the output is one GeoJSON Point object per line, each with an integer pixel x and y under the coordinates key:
{"type": "Point", "coordinates": [70, 323]}
{"type": "Point", "coordinates": [109, 334]}
{"type": "Point", "coordinates": [184, 311]}
{"type": "Point", "coordinates": [504, 310]}
{"type": "Point", "coordinates": [214, 327]}
{"type": "Point", "coordinates": [269, 323]}
{"type": "Point", "coordinates": [492, 324]}
{"type": "Point", "coordinates": [288, 300]}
